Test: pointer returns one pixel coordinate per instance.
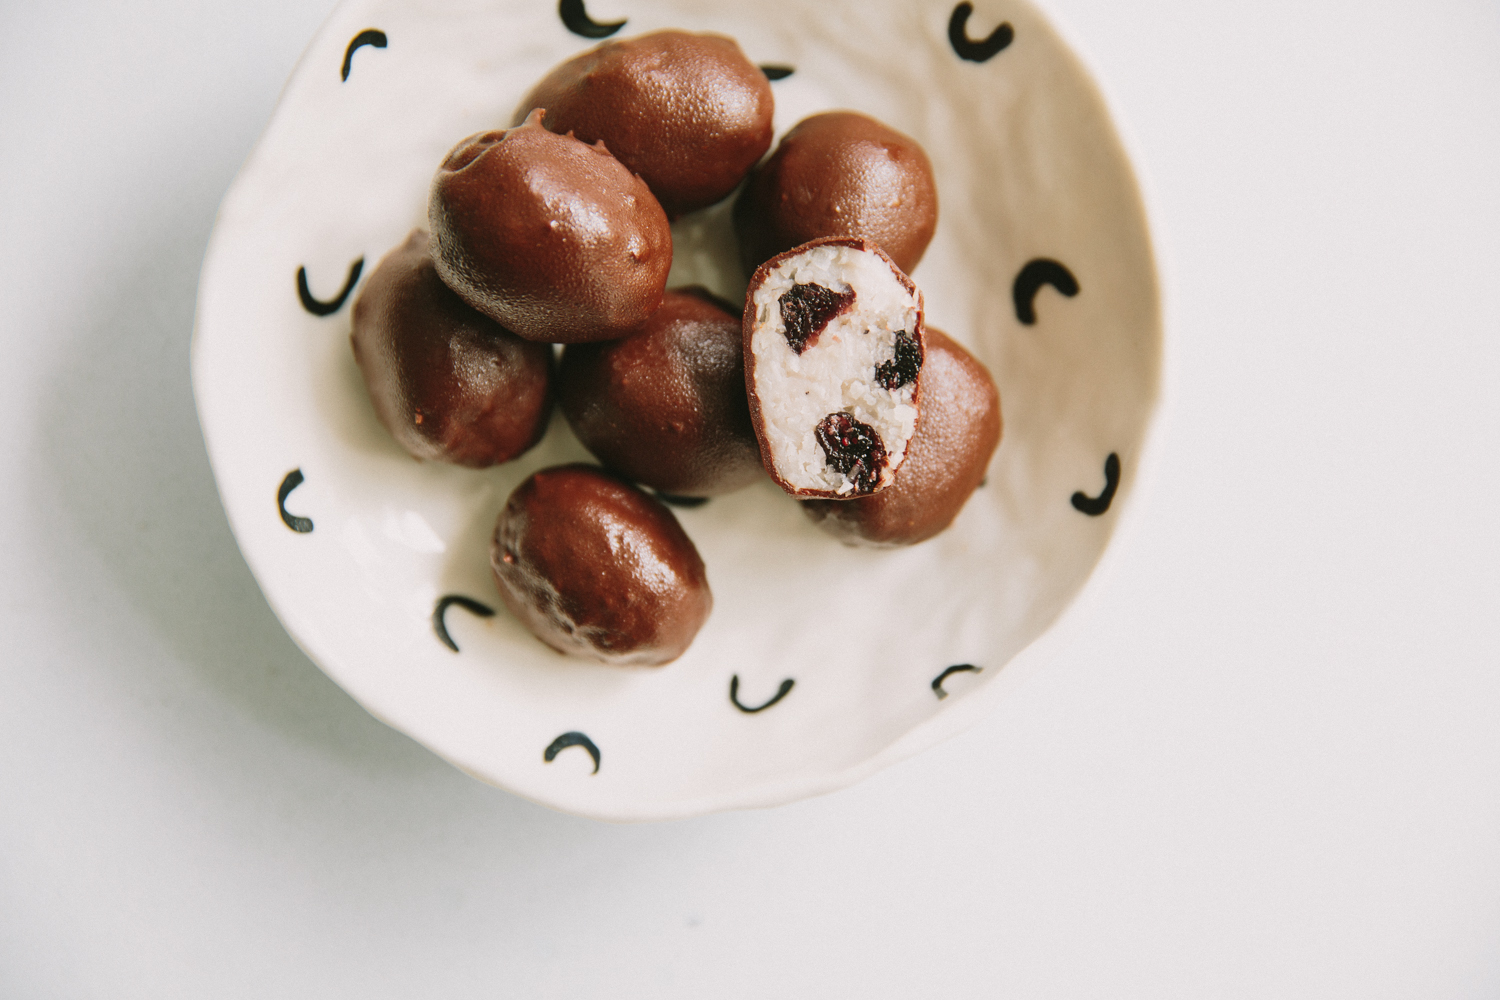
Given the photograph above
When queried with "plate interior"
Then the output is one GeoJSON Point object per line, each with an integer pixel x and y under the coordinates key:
{"type": "Point", "coordinates": [358, 547]}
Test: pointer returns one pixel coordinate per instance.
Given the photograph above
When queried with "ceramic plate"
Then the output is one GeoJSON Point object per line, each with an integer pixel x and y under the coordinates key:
{"type": "Point", "coordinates": [820, 663]}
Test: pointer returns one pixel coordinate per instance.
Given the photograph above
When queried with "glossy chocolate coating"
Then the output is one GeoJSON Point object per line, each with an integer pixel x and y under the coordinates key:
{"type": "Point", "coordinates": [666, 406]}
{"type": "Point", "coordinates": [945, 461]}
{"type": "Point", "coordinates": [839, 174]}
{"type": "Point", "coordinates": [449, 383]}
{"type": "Point", "coordinates": [598, 568]}
{"type": "Point", "coordinates": [687, 112]}
{"type": "Point", "coordinates": [551, 237]}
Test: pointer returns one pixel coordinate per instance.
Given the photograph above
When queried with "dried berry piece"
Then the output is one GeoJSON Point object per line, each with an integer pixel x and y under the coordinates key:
{"type": "Point", "coordinates": [853, 449]}
{"type": "Point", "coordinates": [945, 460]}
{"type": "Point", "coordinates": [807, 309]}
{"type": "Point", "coordinates": [903, 367]}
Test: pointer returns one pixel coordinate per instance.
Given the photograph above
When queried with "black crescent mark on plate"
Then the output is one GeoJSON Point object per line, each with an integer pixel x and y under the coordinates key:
{"type": "Point", "coordinates": [1094, 506]}
{"type": "Point", "coordinates": [301, 525]}
{"type": "Point", "coordinates": [734, 695]}
{"type": "Point", "coordinates": [370, 36]}
{"type": "Point", "coordinates": [572, 740]}
{"type": "Point", "coordinates": [960, 668]}
{"type": "Point", "coordinates": [1030, 281]}
{"type": "Point", "coordinates": [774, 72]}
{"type": "Point", "coordinates": [317, 306]}
{"type": "Point", "coordinates": [674, 500]}
{"type": "Point", "coordinates": [576, 19]}
{"type": "Point", "coordinates": [467, 603]}
{"type": "Point", "coordinates": [967, 48]}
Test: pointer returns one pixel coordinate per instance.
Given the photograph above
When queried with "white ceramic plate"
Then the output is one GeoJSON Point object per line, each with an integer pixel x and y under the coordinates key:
{"type": "Point", "coordinates": [356, 545]}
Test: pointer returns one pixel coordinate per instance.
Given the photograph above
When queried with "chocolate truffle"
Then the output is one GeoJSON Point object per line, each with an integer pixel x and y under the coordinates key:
{"type": "Point", "coordinates": [833, 363]}
{"type": "Point", "coordinates": [595, 567]}
{"type": "Point", "coordinates": [839, 174]}
{"type": "Point", "coordinates": [689, 113]}
{"type": "Point", "coordinates": [552, 238]}
{"type": "Point", "coordinates": [666, 406]}
{"type": "Point", "coordinates": [450, 384]}
{"type": "Point", "coordinates": [945, 462]}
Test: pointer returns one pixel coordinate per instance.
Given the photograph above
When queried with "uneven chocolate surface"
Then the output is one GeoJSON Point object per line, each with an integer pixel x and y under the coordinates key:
{"type": "Point", "coordinates": [596, 567]}
{"type": "Point", "coordinates": [552, 238]}
{"type": "Point", "coordinates": [687, 112]}
{"type": "Point", "coordinates": [839, 174]}
{"type": "Point", "coordinates": [945, 460]}
{"type": "Point", "coordinates": [449, 383]}
{"type": "Point", "coordinates": [666, 406]}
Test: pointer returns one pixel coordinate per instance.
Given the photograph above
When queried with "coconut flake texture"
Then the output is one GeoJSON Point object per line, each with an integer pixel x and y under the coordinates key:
{"type": "Point", "coordinates": [833, 358]}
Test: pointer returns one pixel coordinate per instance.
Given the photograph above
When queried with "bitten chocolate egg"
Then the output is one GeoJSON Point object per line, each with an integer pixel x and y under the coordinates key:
{"type": "Point", "coordinates": [666, 406]}
{"type": "Point", "coordinates": [833, 363]}
{"type": "Point", "coordinates": [839, 174]}
{"type": "Point", "coordinates": [687, 112]}
{"type": "Point", "coordinates": [596, 567]}
{"type": "Point", "coordinates": [449, 383]}
{"type": "Point", "coordinates": [553, 238]}
{"type": "Point", "coordinates": [945, 461]}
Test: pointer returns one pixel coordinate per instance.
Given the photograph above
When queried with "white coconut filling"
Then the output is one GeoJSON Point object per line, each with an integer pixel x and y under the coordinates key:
{"type": "Point", "coordinates": [836, 372]}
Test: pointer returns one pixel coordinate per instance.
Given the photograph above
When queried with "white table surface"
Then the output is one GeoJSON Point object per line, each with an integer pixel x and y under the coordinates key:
{"type": "Point", "coordinates": [1267, 764]}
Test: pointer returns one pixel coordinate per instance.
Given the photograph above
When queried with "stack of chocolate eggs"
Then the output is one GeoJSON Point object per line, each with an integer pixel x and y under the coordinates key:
{"type": "Point", "coordinates": [557, 231]}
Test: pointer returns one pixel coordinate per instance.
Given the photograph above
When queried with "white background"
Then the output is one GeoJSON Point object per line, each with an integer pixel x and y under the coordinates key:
{"type": "Point", "coordinates": [1267, 764]}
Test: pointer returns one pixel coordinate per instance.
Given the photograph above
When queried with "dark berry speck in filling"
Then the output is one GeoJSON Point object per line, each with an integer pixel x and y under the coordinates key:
{"type": "Point", "coordinates": [807, 309]}
{"type": "Point", "coordinates": [854, 450]}
{"type": "Point", "coordinates": [903, 367]}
